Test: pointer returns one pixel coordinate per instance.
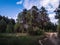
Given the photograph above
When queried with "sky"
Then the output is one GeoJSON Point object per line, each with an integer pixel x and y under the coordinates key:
{"type": "Point", "coordinates": [11, 8]}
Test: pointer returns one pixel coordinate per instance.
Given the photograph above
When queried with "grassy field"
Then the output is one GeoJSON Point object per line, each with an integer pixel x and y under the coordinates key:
{"type": "Point", "coordinates": [12, 39]}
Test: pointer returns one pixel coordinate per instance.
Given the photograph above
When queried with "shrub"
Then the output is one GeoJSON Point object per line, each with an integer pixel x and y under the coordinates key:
{"type": "Point", "coordinates": [39, 32]}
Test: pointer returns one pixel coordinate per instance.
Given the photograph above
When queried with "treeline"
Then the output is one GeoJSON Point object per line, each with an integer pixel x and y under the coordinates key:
{"type": "Point", "coordinates": [6, 24]}
{"type": "Point", "coordinates": [31, 21]}
{"type": "Point", "coordinates": [57, 11]}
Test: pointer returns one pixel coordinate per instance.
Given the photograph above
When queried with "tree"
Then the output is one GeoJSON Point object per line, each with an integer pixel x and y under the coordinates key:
{"type": "Point", "coordinates": [58, 17]}
{"type": "Point", "coordinates": [51, 27]}
{"type": "Point", "coordinates": [34, 8]}
{"type": "Point", "coordinates": [43, 17]}
{"type": "Point", "coordinates": [0, 17]}
{"type": "Point", "coordinates": [5, 22]}
{"type": "Point", "coordinates": [22, 16]}
{"type": "Point", "coordinates": [10, 28]}
{"type": "Point", "coordinates": [12, 21]}
{"type": "Point", "coordinates": [17, 27]}
{"type": "Point", "coordinates": [5, 19]}
{"type": "Point", "coordinates": [33, 19]}
{"type": "Point", "coordinates": [2, 26]}
{"type": "Point", "coordinates": [19, 18]}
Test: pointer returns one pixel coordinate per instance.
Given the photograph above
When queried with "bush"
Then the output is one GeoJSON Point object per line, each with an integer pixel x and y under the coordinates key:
{"type": "Point", "coordinates": [31, 32]}
{"type": "Point", "coordinates": [39, 32]}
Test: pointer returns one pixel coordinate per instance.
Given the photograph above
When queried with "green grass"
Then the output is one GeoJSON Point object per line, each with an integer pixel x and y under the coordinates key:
{"type": "Point", "coordinates": [5, 39]}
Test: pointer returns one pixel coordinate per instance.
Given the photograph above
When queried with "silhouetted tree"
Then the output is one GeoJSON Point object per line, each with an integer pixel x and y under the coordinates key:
{"type": "Point", "coordinates": [58, 17]}
{"type": "Point", "coordinates": [12, 21]}
{"type": "Point", "coordinates": [2, 26]}
{"type": "Point", "coordinates": [44, 19]}
{"type": "Point", "coordinates": [0, 17]}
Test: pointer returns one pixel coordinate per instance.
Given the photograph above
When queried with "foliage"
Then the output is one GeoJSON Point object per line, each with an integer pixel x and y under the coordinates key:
{"type": "Point", "coordinates": [17, 27]}
{"type": "Point", "coordinates": [5, 24]}
{"type": "Point", "coordinates": [10, 28]}
{"type": "Point", "coordinates": [58, 17]}
{"type": "Point", "coordinates": [35, 18]}
{"type": "Point", "coordinates": [2, 26]}
{"type": "Point", "coordinates": [50, 27]}
{"type": "Point", "coordinates": [40, 32]}
{"type": "Point", "coordinates": [12, 21]}
{"type": "Point", "coordinates": [0, 17]}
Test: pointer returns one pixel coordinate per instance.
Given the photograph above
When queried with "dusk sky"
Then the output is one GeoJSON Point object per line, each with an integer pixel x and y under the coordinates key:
{"type": "Point", "coordinates": [11, 8]}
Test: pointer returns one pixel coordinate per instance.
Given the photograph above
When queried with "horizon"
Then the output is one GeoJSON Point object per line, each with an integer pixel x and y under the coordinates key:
{"type": "Point", "coordinates": [11, 8]}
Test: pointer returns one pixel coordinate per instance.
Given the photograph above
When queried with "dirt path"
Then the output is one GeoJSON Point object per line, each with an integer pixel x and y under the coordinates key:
{"type": "Point", "coordinates": [51, 39]}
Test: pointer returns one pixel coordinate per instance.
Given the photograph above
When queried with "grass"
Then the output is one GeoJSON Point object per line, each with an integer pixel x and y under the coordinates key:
{"type": "Point", "coordinates": [12, 39]}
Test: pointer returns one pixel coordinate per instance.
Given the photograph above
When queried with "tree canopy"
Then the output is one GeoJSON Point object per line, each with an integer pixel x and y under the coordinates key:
{"type": "Point", "coordinates": [35, 17]}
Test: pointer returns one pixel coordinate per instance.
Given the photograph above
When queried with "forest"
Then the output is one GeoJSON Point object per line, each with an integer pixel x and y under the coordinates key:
{"type": "Point", "coordinates": [33, 19]}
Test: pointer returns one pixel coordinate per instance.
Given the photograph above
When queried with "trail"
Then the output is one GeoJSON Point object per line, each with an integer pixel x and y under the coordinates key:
{"type": "Point", "coordinates": [51, 39]}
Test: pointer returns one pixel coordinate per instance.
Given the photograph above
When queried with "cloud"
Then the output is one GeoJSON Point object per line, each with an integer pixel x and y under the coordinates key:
{"type": "Point", "coordinates": [29, 3]}
{"type": "Point", "coordinates": [14, 17]}
{"type": "Point", "coordinates": [19, 2]}
{"type": "Point", "coordinates": [50, 5]}
{"type": "Point", "coordinates": [52, 18]}
{"type": "Point", "coordinates": [44, 2]}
